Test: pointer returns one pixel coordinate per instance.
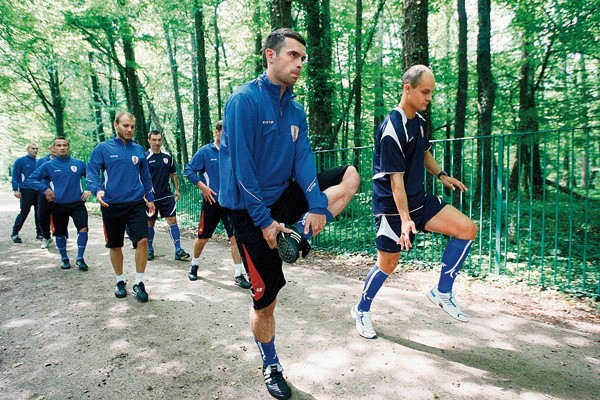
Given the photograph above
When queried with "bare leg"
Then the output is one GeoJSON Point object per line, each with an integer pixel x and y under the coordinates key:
{"type": "Point", "coordinates": [387, 262]}
{"type": "Point", "coordinates": [262, 323]}
{"type": "Point", "coordinates": [199, 246]}
{"type": "Point", "coordinates": [116, 259]}
{"type": "Point", "coordinates": [450, 221]}
{"type": "Point", "coordinates": [340, 195]}
{"type": "Point", "coordinates": [235, 252]}
{"type": "Point", "coordinates": [141, 255]}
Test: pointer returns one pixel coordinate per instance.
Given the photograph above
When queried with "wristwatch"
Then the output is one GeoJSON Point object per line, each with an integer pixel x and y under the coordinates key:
{"type": "Point", "coordinates": [442, 173]}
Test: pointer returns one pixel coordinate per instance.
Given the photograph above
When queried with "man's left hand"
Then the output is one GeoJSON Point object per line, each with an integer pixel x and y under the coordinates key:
{"type": "Point", "coordinates": [151, 208]}
{"type": "Point", "coordinates": [314, 223]}
{"type": "Point", "coordinates": [176, 195]}
{"type": "Point", "coordinates": [453, 183]}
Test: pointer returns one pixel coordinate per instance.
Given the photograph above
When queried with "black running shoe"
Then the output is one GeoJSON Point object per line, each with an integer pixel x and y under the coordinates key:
{"type": "Point", "coordinates": [16, 238]}
{"type": "Point", "coordinates": [65, 264]}
{"type": "Point", "coordinates": [290, 245]}
{"type": "Point", "coordinates": [40, 237]}
{"type": "Point", "coordinates": [81, 265]}
{"type": "Point", "coordinates": [241, 281]}
{"type": "Point", "coordinates": [140, 292]}
{"type": "Point", "coordinates": [193, 274]}
{"type": "Point", "coordinates": [275, 382]}
{"type": "Point", "coordinates": [120, 290]}
{"type": "Point", "coordinates": [181, 255]}
{"type": "Point", "coordinates": [150, 255]}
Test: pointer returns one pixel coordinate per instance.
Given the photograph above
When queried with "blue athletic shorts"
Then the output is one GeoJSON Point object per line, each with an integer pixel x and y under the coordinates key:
{"type": "Point", "coordinates": [389, 227]}
{"type": "Point", "coordinates": [166, 206]}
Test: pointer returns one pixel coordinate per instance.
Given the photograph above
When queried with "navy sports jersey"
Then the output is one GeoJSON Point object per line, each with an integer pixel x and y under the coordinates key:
{"type": "Point", "coordinates": [64, 177]}
{"type": "Point", "coordinates": [400, 146]}
{"type": "Point", "coordinates": [161, 166]}
{"type": "Point", "coordinates": [206, 163]}
{"type": "Point", "coordinates": [264, 145]}
{"type": "Point", "coordinates": [121, 170]}
{"type": "Point", "coordinates": [22, 168]}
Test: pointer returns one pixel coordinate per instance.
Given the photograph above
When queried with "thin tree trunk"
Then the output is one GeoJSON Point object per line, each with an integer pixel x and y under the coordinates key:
{"type": "Point", "coordinates": [58, 103]}
{"type": "Point", "coordinates": [97, 100]}
{"type": "Point", "coordinates": [205, 131]}
{"type": "Point", "coordinates": [217, 62]}
{"type": "Point", "coordinates": [462, 88]}
{"type": "Point", "coordinates": [358, 88]}
{"type": "Point", "coordinates": [258, 66]}
{"type": "Point", "coordinates": [195, 99]}
{"type": "Point", "coordinates": [379, 103]}
{"type": "Point", "coordinates": [281, 14]}
{"type": "Point", "coordinates": [181, 141]}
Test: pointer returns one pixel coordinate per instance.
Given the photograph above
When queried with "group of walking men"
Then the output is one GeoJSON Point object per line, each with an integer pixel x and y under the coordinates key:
{"type": "Point", "coordinates": [259, 178]}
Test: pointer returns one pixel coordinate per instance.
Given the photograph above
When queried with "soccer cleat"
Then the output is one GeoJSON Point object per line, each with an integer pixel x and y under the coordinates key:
{"type": "Point", "coordinates": [290, 245]}
{"type": "Point", "coordinates": [140, 292]}
{"type": "Point", "coordinates": [120, 290]}
{"type": "Point", "coordinates": [181, 255]}
{"type": "Point", "coordinates": [46, 243]}
{"type": "Point", "coordinates": [81, 265]}
{"type": "Point", "coordinates": [241, 281]}
{"type": "Point", "coordinates": [65, 264]}
{"type": "Point", "coordinates": [193, 274]}
{"type": "Point", "coordinates": [150, 255]}
{"type": "Point", "coordinates": [275, 382]}
{"type": "Point", "coordinates": [16, 238]}
{"type": "Point", "coordinates": [447, 302]}
{"type": "Point", "coordinates": [364, 325]}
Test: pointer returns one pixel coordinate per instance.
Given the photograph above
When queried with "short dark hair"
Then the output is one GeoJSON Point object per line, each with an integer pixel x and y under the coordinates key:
{"type": "Point", "coordinates": [154, 132]}
{"type": "Point", "coordinates": [275, 41]}
{"type": "Point", "coordinates": [60, 138]}
{"type": "Point", "coordinates": [219, 125]}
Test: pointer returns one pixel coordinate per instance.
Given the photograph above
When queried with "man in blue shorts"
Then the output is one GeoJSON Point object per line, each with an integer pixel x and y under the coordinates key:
{"type": "Point", "coordinates": [44, 214]}
{"type": "Point", "coordinates": [401, 205]}
{"type": "Point", "coordinates": [162, 170]}
{"type": "Point", "coordinates": [60, 181]}
{"type": "Point", "coordinates": [203, 172]}
{"type": "Point", "coordinates": [22, 168]}
{"type": "Point", "coordinates": [269, 178]}
{"type": "Point", "coordinates": [118, 175]}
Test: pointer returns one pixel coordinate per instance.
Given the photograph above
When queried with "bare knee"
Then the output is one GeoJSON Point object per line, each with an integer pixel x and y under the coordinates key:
{"type": "Point", "coordinates": [469, 231]}
{"type": "Point", "coordinates": [351, 178]}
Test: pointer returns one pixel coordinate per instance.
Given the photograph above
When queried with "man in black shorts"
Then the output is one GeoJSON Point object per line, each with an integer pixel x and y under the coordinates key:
{"type": "Point", "coordinates": [203, 172]}
{"type": "Point", "coordinates": [27, 196]}
{"type": "Point", "coordinates": [60, 181]}
{"type": "Point", "coordinates": [118, 175]}
{"type": "Point", "coordinates": [268, 177]}
{"type": "Point", "coordinates": [162, 169]}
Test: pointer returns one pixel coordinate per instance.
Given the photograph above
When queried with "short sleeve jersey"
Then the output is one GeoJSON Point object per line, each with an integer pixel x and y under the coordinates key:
{"type": "Point", "coordinates": [161, 166]}
{"type": "Point", "coordinates": [400, 146]}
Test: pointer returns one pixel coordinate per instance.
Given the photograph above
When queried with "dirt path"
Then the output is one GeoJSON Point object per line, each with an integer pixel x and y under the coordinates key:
{"type": "Point", "coordinates": [63, 334]}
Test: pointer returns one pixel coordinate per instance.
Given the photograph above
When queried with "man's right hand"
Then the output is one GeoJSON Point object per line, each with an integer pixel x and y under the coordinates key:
{"type": "Point", "coordinates": [49, 193]}
{"type": "Point", "coordinates": [271, 231]}
{"type": "Point", "coordinates": [100, 196]}
{"type": "Point", "coordinates": [17, 194]}
{"type": "Point", "coordinates": [207, 193]}
{"type": "Point", "coordinates": [408, 227]}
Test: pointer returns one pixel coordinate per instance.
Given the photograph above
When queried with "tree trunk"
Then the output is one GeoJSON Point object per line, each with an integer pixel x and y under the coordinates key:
{"type": "Point", "coordinates": [486, 96]}
{"type": "Point", "coordinates": [205, 131]}
{"type": "Point", "coordinates": [58, 103]}
{"type": "Point", "coordinates": [195, 100]}
{"type": "Point", "coordinates": [217, 62]}
{"type": "Point", "coordinates": [258, 66]}
{"type": "Point", "coordinates": [97, 100]}
{"type": "Point", "coordinates": [318, 26]}
{"type": "Point", "coordinates": [379, 103]}
{"type": "Point", "coordinates": [358, 88]}
{"type": "Point", "coordinates": [415, 43]}
{"type": "Point", "coordinates": [181, 141]}
{"type": "Point", "coordinates": [462, 88]}
{"type": "Point", "coordinates": [281, 14]}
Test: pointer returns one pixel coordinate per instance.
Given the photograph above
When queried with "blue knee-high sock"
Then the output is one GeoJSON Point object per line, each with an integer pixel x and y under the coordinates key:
{"type": "Point", "coordinates": [453, 258]}
{"type": "Point", "coordinates": [302, 223]}
{"type": "Point", "coordinates": [61, 245]}
{"type": "Point", "coordinates": [150, 237]}
{"type": "Point", "coordinates": [174, 231]}
{"type": "Point", "coordinates": [373, 282]}
{"type": "Point", "coordinates": [82, 239]}
{"type": "Point", "coordinates": [268, 352]}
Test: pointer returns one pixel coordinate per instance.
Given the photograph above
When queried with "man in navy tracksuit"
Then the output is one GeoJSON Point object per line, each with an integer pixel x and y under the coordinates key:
{"type": "Point", "coordinates": [162, 170]}
{"type": "Point", "coordinates": [118, 175]}
{"type": "Point", "coordinates": [43, 212]}
{"type": "Point", "coordinates": [60, 181]}
{"type": "Point", "coordinates": [268, 176]}
{"type": "Point", "coordinates": [28, 197]}
{"type": "Point", "coordinates": [203, 172]}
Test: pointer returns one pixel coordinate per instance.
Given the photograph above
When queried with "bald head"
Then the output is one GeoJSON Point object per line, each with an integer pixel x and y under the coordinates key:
{"type": "Point", "coordinates": [414, 75]}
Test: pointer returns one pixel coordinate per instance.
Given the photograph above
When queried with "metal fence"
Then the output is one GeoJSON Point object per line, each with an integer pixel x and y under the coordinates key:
{"type": "Point", "coordinates": [546, 234]}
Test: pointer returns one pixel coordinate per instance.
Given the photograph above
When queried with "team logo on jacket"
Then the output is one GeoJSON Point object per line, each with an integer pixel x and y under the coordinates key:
{"type": "Point", "coordinates": [295, 131]}
{"type": "Point", "coordinates": [166, 160]}
{"type": "Point", "coordinates": [73, 168]}
{"type": "Point", "coordinates": [135, 160]}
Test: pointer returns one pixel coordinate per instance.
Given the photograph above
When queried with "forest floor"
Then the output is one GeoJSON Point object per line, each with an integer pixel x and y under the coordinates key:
{"type": "Point", "coordinates": [64, 335]}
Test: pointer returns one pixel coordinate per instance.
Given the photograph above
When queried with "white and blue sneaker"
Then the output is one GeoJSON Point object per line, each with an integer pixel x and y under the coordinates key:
{"type": "Point", "coordinates": [448, 303]}
{"type": "Point", "coordinates": [364, 325]}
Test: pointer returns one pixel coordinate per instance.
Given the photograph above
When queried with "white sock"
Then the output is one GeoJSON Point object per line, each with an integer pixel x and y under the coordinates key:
{"type": "Point", "coordinates": [195, 261]}
{"type": "Point", "coordinates": [238, 269]}
{"type": "Point", "coordinates": [121, 278]}
{"type": "Point", "coordinates": [139, 277]}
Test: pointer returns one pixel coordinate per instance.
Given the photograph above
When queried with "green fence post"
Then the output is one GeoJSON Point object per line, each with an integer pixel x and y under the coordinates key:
{"type": "Point", "coordinates": [499, 176]}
